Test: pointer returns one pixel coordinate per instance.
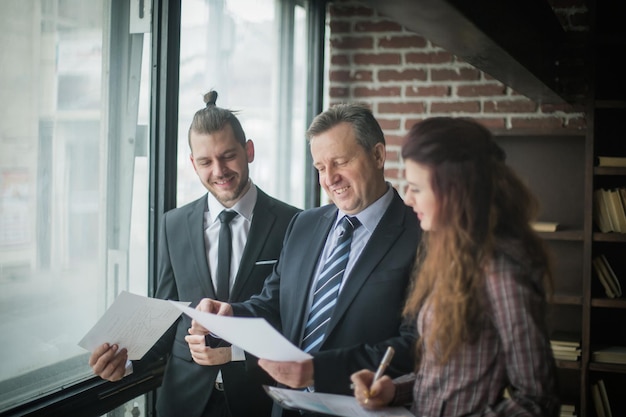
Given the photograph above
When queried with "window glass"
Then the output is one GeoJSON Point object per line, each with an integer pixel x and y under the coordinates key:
{"type": "Point", "coordinates": [252, 52]}
{"type": "Point", "coordinates": [73, 183]}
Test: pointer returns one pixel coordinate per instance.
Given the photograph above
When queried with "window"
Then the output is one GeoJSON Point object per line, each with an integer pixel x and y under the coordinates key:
{"type": "Point", "coordinates": [73, 182]}
{"type": "Point", "coordinates": [252, 52]}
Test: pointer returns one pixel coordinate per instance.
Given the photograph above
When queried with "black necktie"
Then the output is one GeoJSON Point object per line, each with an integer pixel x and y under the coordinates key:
{"type": "Point", "coordinates": [223, 255]}
{"type": "Point", "coordinates": [327, 287]}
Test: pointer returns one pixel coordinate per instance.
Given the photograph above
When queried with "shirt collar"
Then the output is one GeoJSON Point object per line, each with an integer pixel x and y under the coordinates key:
{"type": "Point", "coordinates": [371, 215]}
{"type": "Point", "coordinates": [245, 205]}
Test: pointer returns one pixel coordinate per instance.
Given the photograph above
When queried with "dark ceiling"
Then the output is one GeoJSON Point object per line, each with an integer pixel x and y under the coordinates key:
{"type": "Point", "coordinates": [521, 43]}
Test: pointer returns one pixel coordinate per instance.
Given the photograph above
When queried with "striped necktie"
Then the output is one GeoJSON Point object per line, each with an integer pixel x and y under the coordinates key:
{"type": "Point", "coordinates": [327, 287]}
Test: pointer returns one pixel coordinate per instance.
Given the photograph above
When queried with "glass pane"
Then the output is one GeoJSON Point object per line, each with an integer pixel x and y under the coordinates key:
{"type": "Point", "coordinates": [73, 184]}
{"type": "Point", "coordinates": [252, 52]}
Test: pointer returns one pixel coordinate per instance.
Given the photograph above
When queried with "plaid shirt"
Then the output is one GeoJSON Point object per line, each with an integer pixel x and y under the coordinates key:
{"type": "Point", "coordinates": [512, 352]}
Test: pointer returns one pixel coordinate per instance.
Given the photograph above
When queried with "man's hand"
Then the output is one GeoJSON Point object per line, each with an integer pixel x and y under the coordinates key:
{"type": "Point", "coordinates": [204, 355]}
{"type": "Point", "coordinates": [108, 363]}
{"type": "Point", "coordinates": [209, 306]}
{"type": "Point", "coordinates": [292, 374]}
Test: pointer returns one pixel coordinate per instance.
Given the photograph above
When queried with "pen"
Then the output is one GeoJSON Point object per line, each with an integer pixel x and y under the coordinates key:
{"type": "Point", "coordinates": [384, 363]}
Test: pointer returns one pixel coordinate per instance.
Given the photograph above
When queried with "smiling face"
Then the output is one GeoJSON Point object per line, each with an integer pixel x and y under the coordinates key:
{"type": "Point", "coordinates": [419, 194]}
{"type": "Point", "coordinates": [351, 175]}
{"type": "Point", "coordinates": [222, 163]}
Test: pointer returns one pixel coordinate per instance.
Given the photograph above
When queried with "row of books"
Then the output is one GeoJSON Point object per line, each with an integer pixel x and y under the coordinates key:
{"type": "Point", "coordinates": [567, 410]}
{"type": "Point", "coordinates": [601, 399]}
{"type": "Point", "coordinates": [607, 276]}
{"type": "Point", "coordinates": [610, 354]}
{"type": "Point", "coordinates": [611, 161]}
{"type": "Point", "coordinates": [609, 209]}
{"type": "Point", "coordinates": [565, 346]}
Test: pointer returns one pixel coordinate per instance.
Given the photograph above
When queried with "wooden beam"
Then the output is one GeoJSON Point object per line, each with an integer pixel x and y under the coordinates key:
{"type": "Point", "coordinates": [518, 42]}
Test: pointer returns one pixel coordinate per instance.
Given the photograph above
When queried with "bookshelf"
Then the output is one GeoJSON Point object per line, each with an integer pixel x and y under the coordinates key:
{"type": "Point", "coordinates": [606, 316]}
{"type": "Point", "coordinates": [560, 167]}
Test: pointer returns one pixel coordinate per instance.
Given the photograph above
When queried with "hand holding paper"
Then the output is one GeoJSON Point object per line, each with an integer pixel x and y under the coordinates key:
{"type": "Point", "coordinates": [254, 335]}
{"type": "Point", "coordinates": [134, 322]}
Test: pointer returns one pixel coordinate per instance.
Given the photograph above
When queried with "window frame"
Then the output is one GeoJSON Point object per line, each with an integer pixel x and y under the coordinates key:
{"type": "Point", "coordinates": [94, 396]}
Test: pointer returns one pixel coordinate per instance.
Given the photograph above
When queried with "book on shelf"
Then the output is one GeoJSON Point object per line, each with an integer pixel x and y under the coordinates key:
{"type": "Point", "coordinates": [565, 338]}
{"type": "Point", "coordinates": [611, 276]}
{"type": "Point", "coordinates": [601, 212]}
{"type": "Point", "coordinates": [566, 356]}
{"type": "Point", "coordinates": [567, 410]}
{"type": "Point", "coordinates": [597, 400]}
{"type": "Point", "coordinates": [605, 399]}
{"type": "Point", "coordinates": [610, 354]}
{"type": "Point", "coordinates": [616, 210]}
{"type": "Point", "coordinates": [610, 161]}
{"type": "Point", "coordinates": [607, 276]}
{"type": "Point", "coordinates": [544, 226]}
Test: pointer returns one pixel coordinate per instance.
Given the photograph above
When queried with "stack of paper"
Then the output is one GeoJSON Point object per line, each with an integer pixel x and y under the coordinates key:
{"type": "Point", "coordinates": [610, 354]}
{"type": "Point", "coordinates": [568, 410]}
{"type": "Point", "coordinates": [565, 346]}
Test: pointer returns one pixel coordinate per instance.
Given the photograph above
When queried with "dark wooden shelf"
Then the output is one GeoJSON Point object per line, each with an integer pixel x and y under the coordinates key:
{"type": "Point", "coordinates": [609, 302]}
{"type": "Point", "coordinates": [609, 170]}
{"type": "Point", "coordinates": [563, 364]}
{"type": "Point", "coordinates": [617, 368]}
{"type": "Point", "coordinates": [573, 235]}
{"type": "Point", "coordinates": [609, 237]}
{"type": "Point", "coordinates": [562, 299]}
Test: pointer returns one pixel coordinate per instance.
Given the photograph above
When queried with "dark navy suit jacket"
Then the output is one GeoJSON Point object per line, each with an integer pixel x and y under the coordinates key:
{"type": "Point", "coordinates": [183, 274]}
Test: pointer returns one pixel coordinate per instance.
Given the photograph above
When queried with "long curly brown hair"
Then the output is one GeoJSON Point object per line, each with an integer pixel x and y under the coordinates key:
{"type": "Point", "coordinates": [481, 201]}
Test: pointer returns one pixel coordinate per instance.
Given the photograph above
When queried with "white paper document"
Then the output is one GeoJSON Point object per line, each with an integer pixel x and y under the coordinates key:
{"type": "Point", "coordinates": [134, 322]}
{"type": "Point", "coordinates": [254, 335]}
{"type": "Point", "coordinates": [338, 405]}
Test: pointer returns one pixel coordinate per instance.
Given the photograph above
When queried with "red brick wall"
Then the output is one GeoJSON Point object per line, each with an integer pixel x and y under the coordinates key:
{"type": "Point", "coordinates": [405, 78]}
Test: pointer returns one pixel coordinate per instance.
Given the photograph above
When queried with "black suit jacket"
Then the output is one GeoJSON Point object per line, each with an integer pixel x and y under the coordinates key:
{"type": "Point", "coordinates": [367, 317]}
{"type": "Point", "coordinates": [183, 274]}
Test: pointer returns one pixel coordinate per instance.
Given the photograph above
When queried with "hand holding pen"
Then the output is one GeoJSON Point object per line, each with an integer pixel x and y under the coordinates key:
{"type": "Point", "coordinates": [364, 381]}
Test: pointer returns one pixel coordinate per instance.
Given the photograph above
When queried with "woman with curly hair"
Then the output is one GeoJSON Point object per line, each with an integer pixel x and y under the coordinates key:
{"type": "Point", "coordinates": [480, 293]}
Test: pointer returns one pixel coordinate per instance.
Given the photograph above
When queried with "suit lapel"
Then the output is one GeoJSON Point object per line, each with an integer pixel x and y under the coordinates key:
{"type": "Point", "coordinates": [390, 227]}
{"type": "Point", "coordinates": [195, 231]}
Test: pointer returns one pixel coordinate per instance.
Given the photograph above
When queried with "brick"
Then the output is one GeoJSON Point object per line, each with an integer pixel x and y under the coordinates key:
{"type": "Point", "coordinates": [460, 74]}
{"type": "Point", "coordinates": [340, 59]}
{"type": "Point", "coordinates": [376, 92]}
{"type": "Point", "coordinates": [493, 123]}
{"type": "Point", "coordinates": [377, 59]}
{"type": "Point", "coordinates": [352, 42]}
{"type": "Point", "coordinates": [396, 42]}
{"type": "Point", "coordinates": [388, 124]}
{"type": "Point", "coordinates": [439, 57]}
{"type": "Point", "coordinates": [394, 140]}
{"type": "Point", "coordinates": [402, 75]}
{"type": "Point", "coordinates": [455, 107]}
{"type": "Point", "coordinates": [402, 108]}
{"type": "Point", "coordinates": [339, 92]}
{"type": "Point", "coordinates": [481, 90]}
{"type": "Point", "coordinates": [509, 106]}
{"type": "Point", "coordinates": [348, 76]}
{"type": "Point", "coordinates": [427, 91]}
{"type": "Point", "coordinates": [380, 26]}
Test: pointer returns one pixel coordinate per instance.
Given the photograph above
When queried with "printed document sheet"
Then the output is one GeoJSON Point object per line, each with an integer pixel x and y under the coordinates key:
{"type": "Point", "coordinates": [338, 405]}
{"type": "Point", "coordinates": [254, 335]}
{"type": "Point", "coordinates": [134, 322]}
